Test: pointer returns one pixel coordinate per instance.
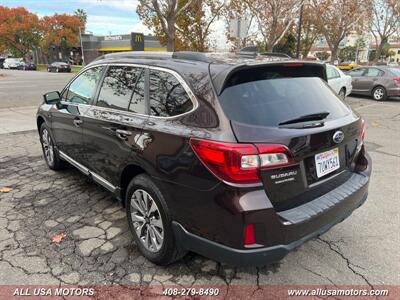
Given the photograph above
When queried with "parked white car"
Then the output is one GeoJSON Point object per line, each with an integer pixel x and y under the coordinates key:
{"type": "Point", "coordinates": [338, 81]}
{"type": "Point", "coordinates": [12, 63]}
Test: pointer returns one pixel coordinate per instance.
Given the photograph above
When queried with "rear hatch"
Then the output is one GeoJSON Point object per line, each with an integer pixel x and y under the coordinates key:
{"type": "Point", "coordinates": [290, 104]}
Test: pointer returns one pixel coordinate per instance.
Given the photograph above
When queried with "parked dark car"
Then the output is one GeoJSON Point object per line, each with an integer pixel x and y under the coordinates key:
{"type": "Point", "coordinates": [1, 62]}
{"type": "Point", "coordinates": [27, 66]}
{"type": "Point", "coordinates": [59, 66]}
{"type": "Point", "coordinates": [380, 82]}
{"type": "Point", "coordinates": [239, 159]}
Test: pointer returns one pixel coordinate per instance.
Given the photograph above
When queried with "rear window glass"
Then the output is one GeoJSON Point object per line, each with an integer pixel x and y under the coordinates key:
{"type": "Point", "coordinates": [394, 71]}
{"type": "Point", "coordinates": [269, 102]}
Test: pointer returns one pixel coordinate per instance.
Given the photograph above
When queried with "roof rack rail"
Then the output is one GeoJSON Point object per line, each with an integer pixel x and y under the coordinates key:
{"type": "Point", "coordinates": [139, 54]}
{"type": "Point", "coordinates": [251, 54]}
{"type": "Point", "coordinates": [275, 54]}
{"type": "Point", "coordinates": [191, 55]}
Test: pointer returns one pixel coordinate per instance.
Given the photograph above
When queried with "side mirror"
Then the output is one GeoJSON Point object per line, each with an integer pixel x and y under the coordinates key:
{"type": "Point", "coordinates": [52, 97]}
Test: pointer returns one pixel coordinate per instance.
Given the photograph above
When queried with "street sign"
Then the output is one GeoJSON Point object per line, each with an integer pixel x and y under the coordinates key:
{"type": "Point", "coordinates": [137, 41]}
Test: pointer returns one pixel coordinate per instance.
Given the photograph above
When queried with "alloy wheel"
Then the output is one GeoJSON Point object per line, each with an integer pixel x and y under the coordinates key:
{"type": "Point", "coordinates": [378, 94]}
{"type": "Point", "coordinates": [48, 147]}
{"type": "Point", "coordinates": [146, 219]}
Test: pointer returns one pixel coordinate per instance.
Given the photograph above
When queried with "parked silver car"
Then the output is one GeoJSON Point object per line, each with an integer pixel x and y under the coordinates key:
{"type": "Point", "coordinates": [380, 82]}
{"type": "Point", "coordinates": [338, 81]}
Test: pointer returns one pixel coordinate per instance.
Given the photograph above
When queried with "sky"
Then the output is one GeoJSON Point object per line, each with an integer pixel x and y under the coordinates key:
{"type": "Point", "coordinates": [105, 17]}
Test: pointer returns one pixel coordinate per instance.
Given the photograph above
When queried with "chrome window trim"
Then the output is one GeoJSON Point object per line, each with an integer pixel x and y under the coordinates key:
{"type": "Point", "coordinates": [172, 72]}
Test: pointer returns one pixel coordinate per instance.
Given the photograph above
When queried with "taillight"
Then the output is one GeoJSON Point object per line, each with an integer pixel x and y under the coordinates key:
{"type": "Point", "coordinates": [397, 79]}
{"type": "Point", "coordinates": [249, 235]}
{"type": "Point", "coordinates": [362, 130]}
{"type": "Point", "coordinates": [239, 163]}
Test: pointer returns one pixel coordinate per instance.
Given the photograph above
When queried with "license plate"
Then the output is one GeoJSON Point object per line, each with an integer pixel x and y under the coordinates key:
{"type": "Point", "coordinates": [327, 162]}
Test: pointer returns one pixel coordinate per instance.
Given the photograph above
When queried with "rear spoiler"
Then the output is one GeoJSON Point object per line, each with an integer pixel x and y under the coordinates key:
{"type": "Point", "coordinates": [298, 68]}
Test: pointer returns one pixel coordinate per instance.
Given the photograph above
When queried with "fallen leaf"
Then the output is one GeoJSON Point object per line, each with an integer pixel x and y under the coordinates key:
{"type": "Point", "coordinates": [5, 189]}
{"type": "Point", "coordinates": [58, 237]}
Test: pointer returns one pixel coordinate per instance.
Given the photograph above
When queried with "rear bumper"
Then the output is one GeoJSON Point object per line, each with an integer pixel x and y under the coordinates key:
{"type": "Point", "coordinates": [298, 225]}
{"type": "Point", "coordinates": [251, 257]}
{"type": "Point", "coordinates": [394, 92]}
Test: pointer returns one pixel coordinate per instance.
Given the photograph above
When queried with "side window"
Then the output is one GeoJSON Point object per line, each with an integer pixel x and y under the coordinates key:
{"type": "Point", "coordinates": [332, 73]}
{"type": "Point", "coordinates": [138, 103]}
{"type": "Point", "coordinates": [372, 72]}
{"type": "Point", "coordinates": [357, 72]}
{"type": "Point", "coordinates": [167, 96]}
{"type": "Point", "coordinates": [82, 89]}
{"type": "Point", "coordinates": [117, 88]}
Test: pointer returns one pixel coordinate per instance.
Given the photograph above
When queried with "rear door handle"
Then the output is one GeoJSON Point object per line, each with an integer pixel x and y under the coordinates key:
{"type": "Point", "coordinates": [77, 122]}
{"type": "Point", "coordinates": [122, 134]}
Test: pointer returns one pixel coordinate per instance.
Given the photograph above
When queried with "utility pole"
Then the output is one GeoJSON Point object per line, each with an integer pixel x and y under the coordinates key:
{"type": "Point", "coordinates": [82, 53]}
{"type": "Point", "coordinates": [299, 30]}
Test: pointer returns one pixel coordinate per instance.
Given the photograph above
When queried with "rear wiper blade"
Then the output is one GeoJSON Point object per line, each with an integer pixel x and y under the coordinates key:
{"type": "Point", "coordinates": [306, 118]}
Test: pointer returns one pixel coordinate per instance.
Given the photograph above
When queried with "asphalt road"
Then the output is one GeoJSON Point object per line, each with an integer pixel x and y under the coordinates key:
{"type": "Point", "coordinates": [26, 88]}
{"type": "Point", "coordinates": [99, 249]}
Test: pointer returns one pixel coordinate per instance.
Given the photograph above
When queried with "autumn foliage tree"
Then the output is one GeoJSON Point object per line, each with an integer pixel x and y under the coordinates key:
{"type": "Point", "coordinates": [60, 31]}
{"type": "Point", "coordinates": [338, 18]}
{"type": "Point", "coordinates": [385, 22]}
{"type": "Point", "coordinates": [163, 14]}
{"type": "Point", "coordinates": [193, 28]}
{"type": "Point", "coordinates": [309, 29]}
{"type": "Point", "coordinates": [19, 30]}
{"type": "Point", "coordinates": [274, 18]}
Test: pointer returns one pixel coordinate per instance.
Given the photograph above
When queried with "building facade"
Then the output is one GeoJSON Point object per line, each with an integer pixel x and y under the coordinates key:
{"type": "Point", "coordinates": [91, 46]}
{"type": "Point", "coordinates": [94, 46]}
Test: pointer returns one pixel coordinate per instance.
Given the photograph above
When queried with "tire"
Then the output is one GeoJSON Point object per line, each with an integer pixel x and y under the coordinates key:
{"type": "Point", "coordinates": [50, 153]}
{"type": "Point", "coordinates": [148, 227]}
{"type": "Point", "coordinates": [379, 93]}
{"type": "Point", "coordinates": [48, 70]}
{"type": "Point", "coordinates": [342, 93]}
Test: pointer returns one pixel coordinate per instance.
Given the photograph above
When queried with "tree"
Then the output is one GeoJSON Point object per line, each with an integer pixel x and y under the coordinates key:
{"type": "Point", "coordinates": [274, 18]}
{"type": "Point", "coordinates": [337, 18]}
{"type": "Point", "coordinates": [237, 10]}
{"type": "Point", "coordinates": [82, 15]}
{"type": "Point", "coordinates": [287, 45]}
{"type": "Point", "coordinates": [322, 55]}
{"type": "Point", "coordinates": [385, 22]}
{"type": "Point", "coordinates": [163, 13]}
{"type": "Point", "coordinates": [60, 31]}
{"type": "Point", "coordinates": [348, 53]}
{"type": "Point", "coordinates": [19, 30]}
{"type": "Point", "coordinates": [310, 31]}
{"type": "Point", "coordinates": [193, 28]}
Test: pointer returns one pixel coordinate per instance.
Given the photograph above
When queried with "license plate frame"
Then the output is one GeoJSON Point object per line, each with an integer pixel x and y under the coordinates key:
{"type": "Point", "coordinates": [327, 162]}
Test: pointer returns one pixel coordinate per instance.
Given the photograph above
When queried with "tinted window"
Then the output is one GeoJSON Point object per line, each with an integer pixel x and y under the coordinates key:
{"type": "Point", "coordinates": [272, 101]}
{"type": "Point", "coordinates": [82, 89]}
{"type": "Point", "coordinates": [167, 95]}
{"type": "Point", "coordinates": [117, 88]}
{"type": "Point", "coordinates": [372, 72]}
{"type": "Point", "coordinates": [137, 103]}
{"type": "Point", "coordinates": [332, 73]}
{"type": "Point", "coordinates": [357, 72]}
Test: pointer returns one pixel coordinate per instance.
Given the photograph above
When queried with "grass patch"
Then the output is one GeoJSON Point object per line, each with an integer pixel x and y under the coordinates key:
{"type": "Point", "coordinates": [43, 68]}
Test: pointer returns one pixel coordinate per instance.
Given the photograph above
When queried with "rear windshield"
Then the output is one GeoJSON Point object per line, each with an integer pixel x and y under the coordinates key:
{"type": "Point", "coordinates": [269, 102]}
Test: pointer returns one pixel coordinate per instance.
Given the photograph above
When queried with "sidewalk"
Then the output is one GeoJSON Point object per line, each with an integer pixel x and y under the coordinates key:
{"type": "Point", "coordinates": [16, 119]}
